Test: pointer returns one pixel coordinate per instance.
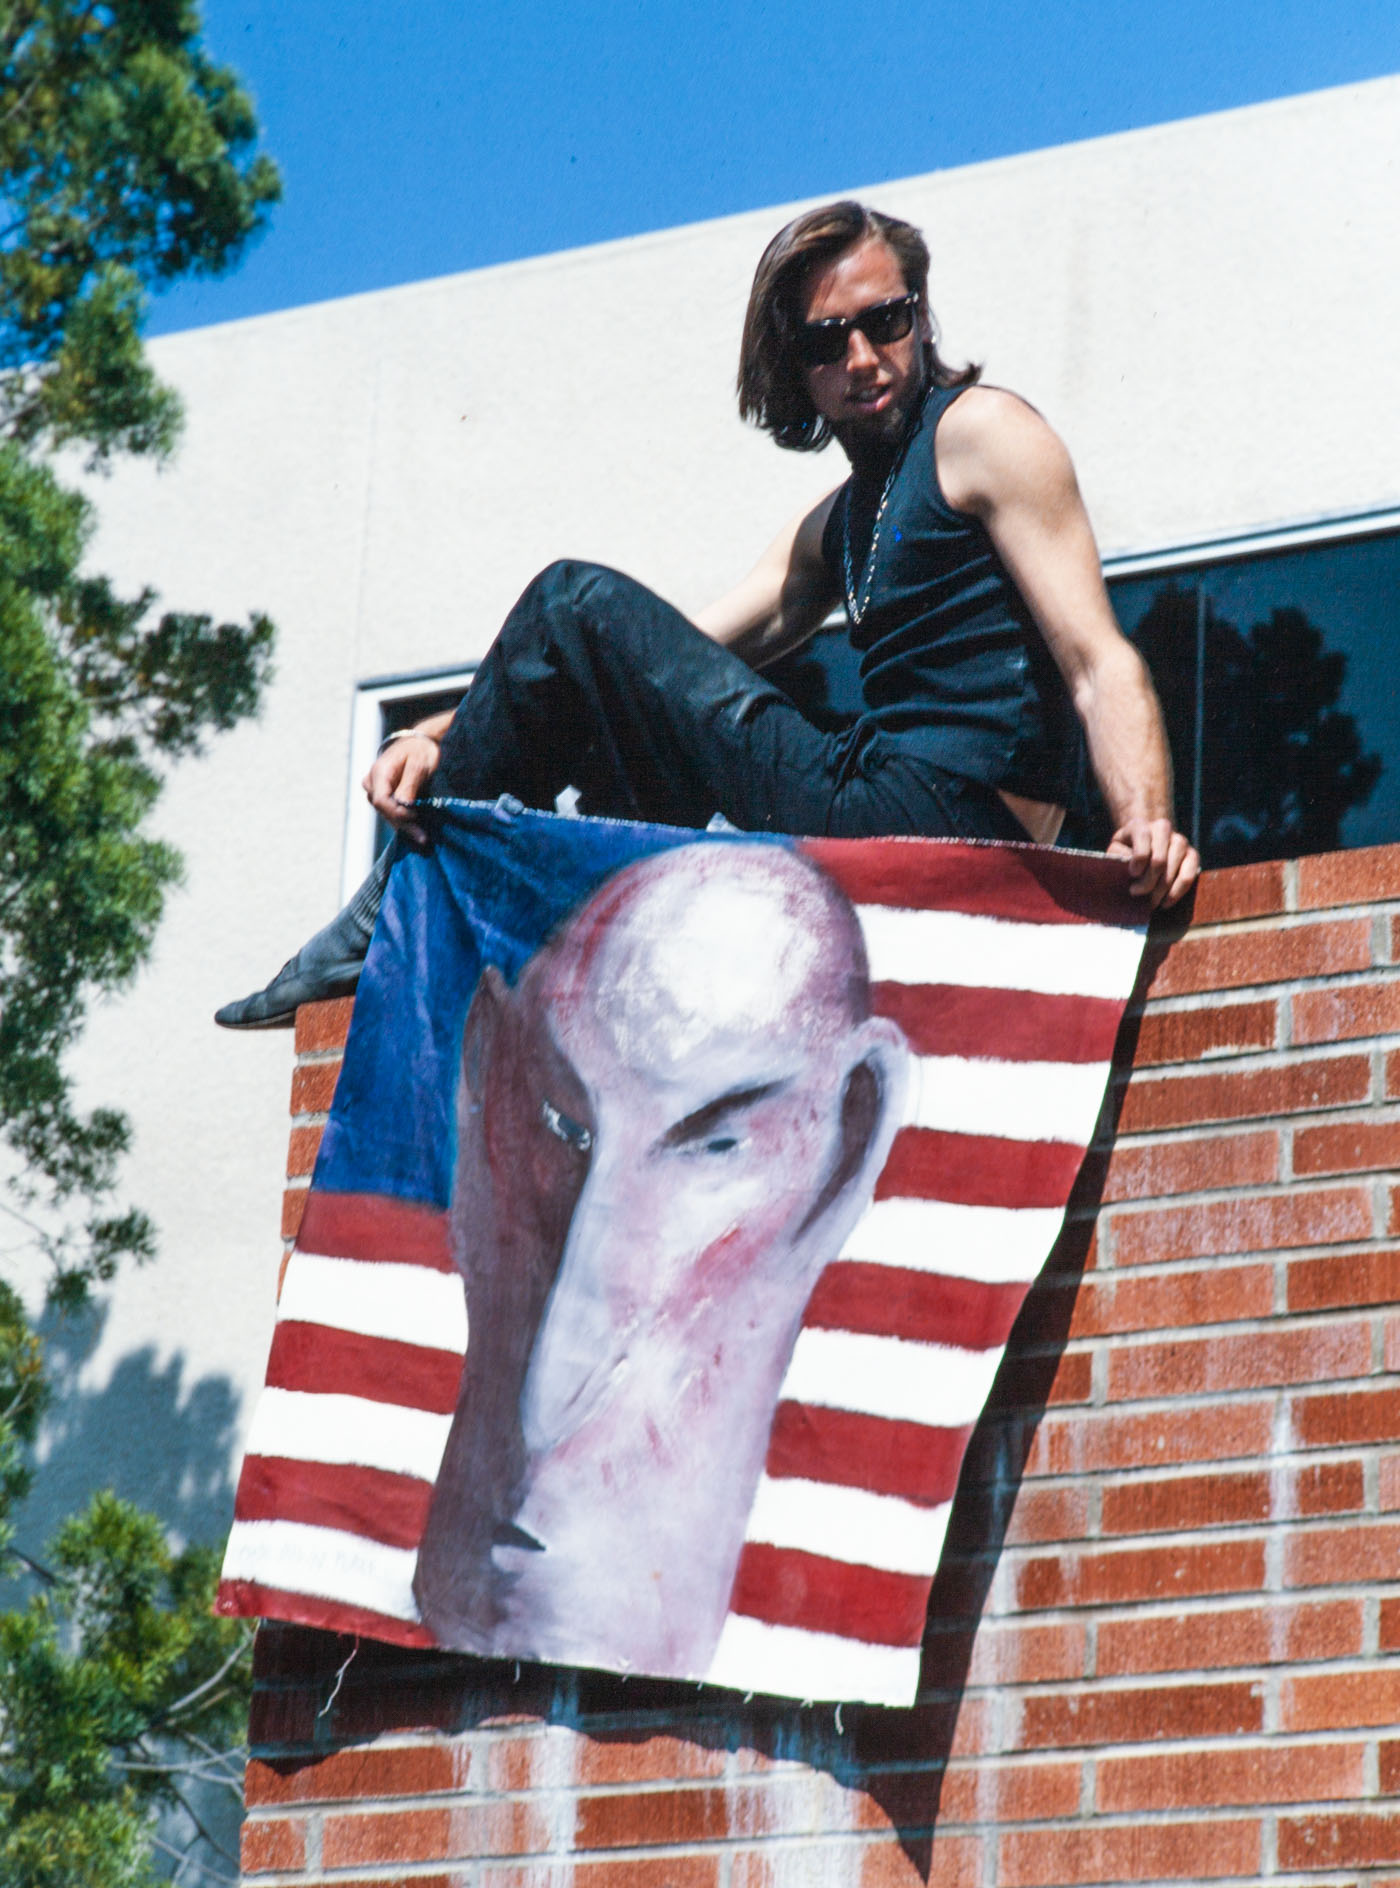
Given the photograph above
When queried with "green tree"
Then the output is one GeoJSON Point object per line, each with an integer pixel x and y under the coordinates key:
{"type": "Point", "coordinates": [128, 159]}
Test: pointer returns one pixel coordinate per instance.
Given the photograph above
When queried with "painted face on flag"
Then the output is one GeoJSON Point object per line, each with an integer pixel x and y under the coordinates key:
{"type": "Point", "coordinates": [667, 1130]}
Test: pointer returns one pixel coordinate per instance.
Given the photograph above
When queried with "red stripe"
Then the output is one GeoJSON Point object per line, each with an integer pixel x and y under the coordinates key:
{"type": "Point", "coordinates": [375, 1226]}
{"type": "Point", "coordinates": [786, 1587]}
{"type": "Point", "coordinates": [249, 1599]}
{"type": "Point", "coordinates": [918, 1463]}
{"type": "Point", "coordinates": [978, 1169]}
{"type": "Point", "coordinates": [319, 1358]}
{"type": "Point", "coordinates": [1031, 883]}
{"type": "Point", "coordinates": [1020, 1026]}
{"type": "Point", "coordinates": [391, 1509]}
{"type": "Point", "coordinates": [923, 1307]}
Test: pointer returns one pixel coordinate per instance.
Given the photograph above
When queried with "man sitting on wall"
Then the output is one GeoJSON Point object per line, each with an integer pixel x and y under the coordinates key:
{"type": "Point", "coordinates": [973, 594]}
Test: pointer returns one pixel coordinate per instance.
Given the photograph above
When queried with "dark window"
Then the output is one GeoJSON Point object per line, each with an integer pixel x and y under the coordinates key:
{"type": "Point", "coordinates": [1278, 675]}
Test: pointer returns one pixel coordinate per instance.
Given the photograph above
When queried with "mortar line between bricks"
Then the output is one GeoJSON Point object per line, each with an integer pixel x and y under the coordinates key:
{"type": "Point", "coordinates": [1186, 1133]}
{"type": "Point", "coordinates": [1202, 1261]}
{"type": "Point", "coordinates": [1191, 1678]}
{"type": "Point", "coordinates": [1320, 1318]}
{"type": "Point", "coordinates": [1244, 1599]}
{"type": "Point", "coordinates": [1242, 1062]}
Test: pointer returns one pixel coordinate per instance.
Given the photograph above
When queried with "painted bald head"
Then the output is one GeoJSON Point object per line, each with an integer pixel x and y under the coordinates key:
{"type": "Point", "coordinates": [666, 1131]}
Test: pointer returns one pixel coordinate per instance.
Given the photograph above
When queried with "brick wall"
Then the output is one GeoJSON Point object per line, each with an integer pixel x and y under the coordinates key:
{"type": "Point", "coordinates": [1163, 1644]}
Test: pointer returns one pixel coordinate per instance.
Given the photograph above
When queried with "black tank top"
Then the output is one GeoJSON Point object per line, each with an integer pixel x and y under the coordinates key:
{"type": "Point", "coordinates": [952, 663]}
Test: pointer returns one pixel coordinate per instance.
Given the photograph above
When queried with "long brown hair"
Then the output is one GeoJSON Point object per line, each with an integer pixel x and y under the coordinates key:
{"type": "Point", "coordinates": [772, 385]}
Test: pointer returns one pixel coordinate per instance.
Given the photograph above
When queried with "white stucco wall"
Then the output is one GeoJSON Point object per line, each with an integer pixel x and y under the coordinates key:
{"type": "Point", "coordinates": [1206, 310]}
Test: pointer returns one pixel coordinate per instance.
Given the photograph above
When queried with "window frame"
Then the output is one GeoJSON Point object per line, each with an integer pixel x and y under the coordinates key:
{"type": "Point", "coordinates": [367, 718]}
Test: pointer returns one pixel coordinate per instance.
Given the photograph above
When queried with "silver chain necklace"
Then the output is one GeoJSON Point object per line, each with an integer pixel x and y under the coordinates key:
{"type": "Point", "coordinates": [857, 606]}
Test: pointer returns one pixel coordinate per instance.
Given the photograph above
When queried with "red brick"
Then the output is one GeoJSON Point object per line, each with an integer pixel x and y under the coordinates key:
{"type": "Point", "coordinates": [1328, 1701]}
{"type": "Point", "coordinates": [688, 1871]}
{"type": "Point", "coordinates": [1390, 1483]}
{"type": "Point", "coordinates": [1336, 1556]}
{"type": "Point", "coordinates": [651, 1817]}
{"type": "Point", "coordinates": [1028, 1655]}
{"type": "Point", "coordinates": [638, 1757]}
{"type": "Point", "coordinates": [1320, 1216]}
{"type": "Point", "coordinates": [1021, 1792]}
{"type": "Point", "coordinates": [1197, 1851]}
{"type": "Point", "coordinates": [1190, 1035]}
{"type": "Point", "coordinates": [956, 1863]}
{"type": "Point", "coordinates": [1392, 1222]}
{"type": "Point", "coordinates": [1231, 1774]}
{"type": "Point", "coordinates": [269, 1845]}
{"type": "Point", "coordinates": [1344, 1278]}
{"type": "Point", "coordinates": [1390, 1626]}
{"type": "Point", "coordinates": [1239, 891]}
{"type": "Point", "coordinates": [1330, 1488]}
{"type": "Point", "coordinates": [1073, 1381]}
{"type": "Point", "coordinates": [293, 1206]}
{"type": "Point", "coordinates": [1345, 1011]}
{"type": "Point", "coordinates": [1338, 1841]}
{"type": "Point", "coordinates": [1059, 1721]}
{"type": "Point", "coordinates": [1183, 1502]}
{"type": "Point", "coordinates": [1216, 1638]}
{"type": "Point", "coordinates": [313, 1087]}
{"type": "Point", "coordinates": [1392, 1075]}
{"type": "Point", "coordinates": [1320, 1353]}
{"type": "Point", "coordinates": [1050, 1514]}
{"type": "Point", "coordinates": [1333, 1419]}
{"type": "Point", "coordinates": [1144, 1573]}
{"type": "Point", "coordinates": [1346, 1147]}
{"type": "Point", "coordinates": [432, 1835]}
{"type": "Point", "coordinates": [1361, 877]}
{"type": "Point", "coordinates": [1299, 1087]}
{"type": "Point", "coordinates": [323, 1026]}
{"type": "Point", "coordinates": [1163, 1168]}
{"type": "Point", "coordinates": [356, 1775]}
{"type": "Point", "coordinates": [1276, 954]}
{"type": "Point", "coordinates": [1084, 1444]}
{"type": "Point", "coordinates": [1390, 1767]}
{"type": "Point", "coordinates": [301, 1151]}
{"type": "Point", "coordinates": [1216, 1294]}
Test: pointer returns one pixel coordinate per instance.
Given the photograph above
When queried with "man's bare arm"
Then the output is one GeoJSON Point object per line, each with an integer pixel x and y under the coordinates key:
{"type": "Point", "coordinates": [784, 598]}
{"type": "Point", "coordinates": [999, 461]}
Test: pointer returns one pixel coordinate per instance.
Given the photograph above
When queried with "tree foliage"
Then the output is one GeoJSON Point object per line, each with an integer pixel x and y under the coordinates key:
{"type": "Point", "coordinates": [128, 159]}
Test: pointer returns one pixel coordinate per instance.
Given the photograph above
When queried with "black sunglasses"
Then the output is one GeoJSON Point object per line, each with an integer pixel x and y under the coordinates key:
{"type": "Point", "coordinates": [821, 343]}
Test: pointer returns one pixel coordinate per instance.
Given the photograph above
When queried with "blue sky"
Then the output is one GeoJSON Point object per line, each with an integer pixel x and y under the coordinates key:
{"type": "Point", "coordinates": [425, 136]}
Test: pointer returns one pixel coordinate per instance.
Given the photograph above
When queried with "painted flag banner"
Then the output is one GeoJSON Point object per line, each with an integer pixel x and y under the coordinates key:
{"type": "Point", "coordinates": [678, 1197]}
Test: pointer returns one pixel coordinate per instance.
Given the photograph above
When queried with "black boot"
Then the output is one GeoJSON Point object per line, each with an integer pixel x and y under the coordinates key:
{"type": "Point", "coordinates": [327, 965]}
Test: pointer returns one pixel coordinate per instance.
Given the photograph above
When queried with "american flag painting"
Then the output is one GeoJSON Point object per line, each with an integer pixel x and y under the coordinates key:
{"type": "Point", "coordinates": [678, 1198]}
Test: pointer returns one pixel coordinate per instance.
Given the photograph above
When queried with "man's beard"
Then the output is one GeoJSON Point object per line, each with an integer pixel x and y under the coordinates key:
{"type": "Point", "coordinates": [875, 439]}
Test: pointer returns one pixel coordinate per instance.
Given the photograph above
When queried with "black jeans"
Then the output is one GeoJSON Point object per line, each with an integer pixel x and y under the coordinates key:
{"type": "Point", "coordinates": [594, 682]}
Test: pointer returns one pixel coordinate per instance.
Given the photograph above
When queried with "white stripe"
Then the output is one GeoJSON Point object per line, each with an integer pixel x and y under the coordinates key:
{"type": "Point", "coordinates": [966, 948]}
{"type": "Point", "coordinates": [937, 1384]}
{"type": "Point", "coordinates": [997, 1245]}
{"type": "Point", "coordinates": [790, 1663]}
{"type": "Point", "coordinates": [849, 1524]}
{"type": "Point", "coordinates": [325, 1563]}
{"type": "Point", "coordinates": [309, 1427]}
{"type": "Point", "coordinates": [413, 1304]}
{"type": "Point", "coordinates": [1017, 1101]}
